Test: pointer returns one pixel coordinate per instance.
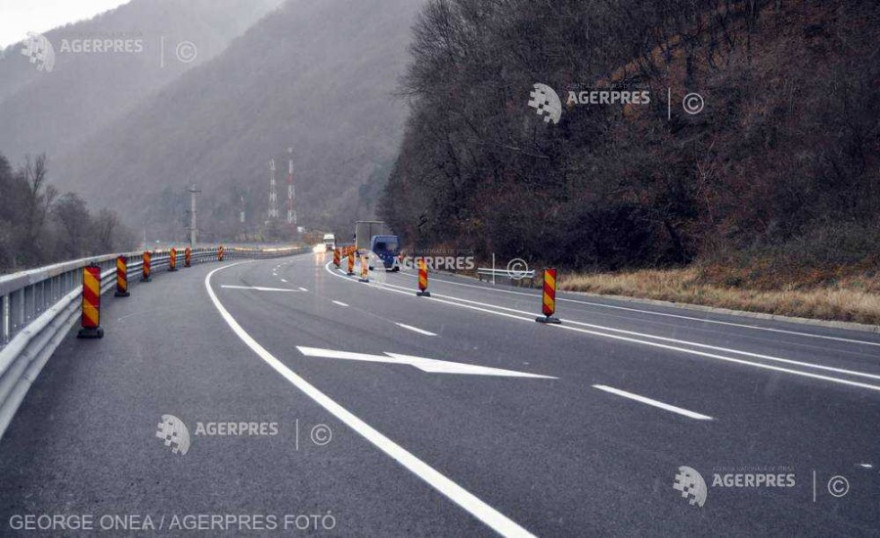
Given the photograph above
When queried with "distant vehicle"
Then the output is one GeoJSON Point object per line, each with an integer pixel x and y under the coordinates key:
{"type": "Point", "coordinates": [387, 248]}
{"type": "Point", "coordinates": [364, 230]}
{"type": "Point", "coordinates": [329, 241]}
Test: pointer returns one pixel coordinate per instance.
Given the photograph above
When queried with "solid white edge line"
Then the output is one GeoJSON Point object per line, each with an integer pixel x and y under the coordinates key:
{"type": "Point", "coordinates": [436, 299]}
{"type": "Point", "coordinates": [652, 402]}
{"type": "Point", "coordinates": [457, 494]}
{"type": "Point", "coordinates": [666, 314]}
{"type": "Point", "coordinates": [415, 329]}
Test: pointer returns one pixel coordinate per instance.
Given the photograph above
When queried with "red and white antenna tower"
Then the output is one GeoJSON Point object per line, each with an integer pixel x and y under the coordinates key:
{"type": "Point", "coordinates": [291, 214]}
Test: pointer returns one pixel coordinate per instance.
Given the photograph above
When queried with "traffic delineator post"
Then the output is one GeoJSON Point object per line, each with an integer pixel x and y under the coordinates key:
{"type": "Point", "coordinates": [220, 253]}
{"type": "Point", "coordinates": [122, 277]}
{"type": "Point", "coordinates": [548, 306]}
{"type": "Point", "coordinates": [365, 268]}
{"type": "Point", "coordinates": [172, 260]}
{"type": "Point", "coordinates": [423, 279]}
{"type": "Point", "coordinates": [337, 260]}
{"type": "Point", "coordinates": [91, 303]}
{"type": "Point", "coordinates": [350, 263]}
{"type": "Point", "coordinates": [145, 271]}
{"type": "Point", "coordinates": [187, 257]}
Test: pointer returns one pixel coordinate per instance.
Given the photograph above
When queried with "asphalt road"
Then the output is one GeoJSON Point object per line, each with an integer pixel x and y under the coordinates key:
{"type": "Point", "coordinates": [570, 430]}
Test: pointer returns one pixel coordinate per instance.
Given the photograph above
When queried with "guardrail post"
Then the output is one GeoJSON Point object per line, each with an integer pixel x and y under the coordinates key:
{"type": "Point", "coordinates": [91, 303]}
{"type": "Point", "coordinates": [548, 306]}
{"type": "Point", "coordinates": [122, 277]}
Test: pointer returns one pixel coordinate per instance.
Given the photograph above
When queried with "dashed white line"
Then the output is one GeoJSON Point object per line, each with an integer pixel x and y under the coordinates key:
{"type": "Point", "coordinates": [284, 280]}
{"type": "Point", "coordinates": [415, 329]}
{"type": "Point", "coordinates": [655, 403]}
{"type": "Point", "coordinates": [257, 288]}
{"type": "Point", "coordinates": [457, 494]}
{"type": "Point", "coordinates": [340, 303]}
{"type": "Point", "coordinates": [302, 289]}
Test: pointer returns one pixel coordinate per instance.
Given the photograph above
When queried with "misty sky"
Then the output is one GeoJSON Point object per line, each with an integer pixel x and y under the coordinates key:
{"type": "Point", "coordinates": [18, 17]}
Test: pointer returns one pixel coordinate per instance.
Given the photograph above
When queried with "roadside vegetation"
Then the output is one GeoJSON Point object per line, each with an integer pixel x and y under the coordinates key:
{"type": "Point", "coordinates": [768, 199]}
{"type": "Point", "coordinates": [38, 225]}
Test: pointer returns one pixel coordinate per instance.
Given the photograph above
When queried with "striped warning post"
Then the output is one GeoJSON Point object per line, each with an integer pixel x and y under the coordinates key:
{"type": "Point", "coordinates": [337, 259]}
{"type": "Point", "coordinates": [145, 271]}
{"type": "Point", "coordinates": [350, 263]}
{"type": "Point", "coordinates": [423, 279]}
{"type": "Point", "coordinates": [122, 277]}
{"type": "Point", "coordinates": [172, 260]}
{"type": "Point", "coordinates": [220, 253]}
{"type": "Point", "coordinates": [549, 298]}
{"type": "Point", "coordinates": [365, 268]}
{"type": "Point", "coordinates": [91, 303]}
{"type": "Point", "coordinates": [187, 257]}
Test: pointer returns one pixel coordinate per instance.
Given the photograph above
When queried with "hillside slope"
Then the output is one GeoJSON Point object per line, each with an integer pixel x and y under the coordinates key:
{"type": "Point", "coordinates": [315, 76]}
{"type": "Point", "coordinates": [54, 111]}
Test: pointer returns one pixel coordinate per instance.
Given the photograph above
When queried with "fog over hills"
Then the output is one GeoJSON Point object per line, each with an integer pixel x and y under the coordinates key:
{"type": "Point", "coordinates": [318, 77]}
{"type": "Point", "coordinates": [55, 111]}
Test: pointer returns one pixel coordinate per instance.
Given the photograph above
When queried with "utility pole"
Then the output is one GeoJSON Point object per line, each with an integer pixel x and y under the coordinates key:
{"type": "Point", "coordinates": [273, 194]}
{"type": "Point", "coordinates": [193, 222]}
{"type": "Point", "coordinates": [291, 214]}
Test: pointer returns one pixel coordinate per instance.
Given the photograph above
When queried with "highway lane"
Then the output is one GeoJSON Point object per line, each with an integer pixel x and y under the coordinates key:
{"type": "Point", "coordinates": [555, 456]}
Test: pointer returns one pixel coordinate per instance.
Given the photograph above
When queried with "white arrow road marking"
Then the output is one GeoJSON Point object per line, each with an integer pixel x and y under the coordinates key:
{"type": "Point", "coordinates": [655, 403]}
{"type": "Point", "coordinates": [433, 366]}
{"type": "Point", "coordinates": [415, 329]}
{"type": "Point", "coordinates": [257, 288]}
{"type": "Point", "coordinates": [455, 493]}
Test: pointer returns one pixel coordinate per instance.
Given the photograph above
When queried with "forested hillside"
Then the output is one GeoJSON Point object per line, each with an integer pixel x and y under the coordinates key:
{"type": "Point", "coordinates": [782, 162]}
{"type": "Point", "coordinates": [39, 225]}
{"type": "Point", "coordinates": [55, 111]}
{"type": "Point", "coordinates": [318, 77]}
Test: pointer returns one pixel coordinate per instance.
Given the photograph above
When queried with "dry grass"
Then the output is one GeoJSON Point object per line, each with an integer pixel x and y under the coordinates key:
{"type": "Point", "coordinates": [855, 298]}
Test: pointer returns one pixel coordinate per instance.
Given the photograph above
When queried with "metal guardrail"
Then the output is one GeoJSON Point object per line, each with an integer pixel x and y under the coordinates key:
{"type": "Point", "coordinates": [523, 277]}
{"type": "Point", "coordinates": [38, 307]}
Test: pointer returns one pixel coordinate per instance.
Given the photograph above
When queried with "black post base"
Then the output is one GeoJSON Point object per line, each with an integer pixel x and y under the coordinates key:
{"type": "Point", "coordinates": [122, 294]}
{"type": "Point", "coordinates": [363, 280]}
{"type": "Point", "coordinates": [148, 279]}
{"type": "Point", "coordinates": [90, 333]}
{"type": "Point", "coordinates": [548, 319]}
{"type": "Point", "coordinates": [423, 294]}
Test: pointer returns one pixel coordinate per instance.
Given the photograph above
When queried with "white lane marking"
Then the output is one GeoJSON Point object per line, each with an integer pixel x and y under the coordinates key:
{"type": "Point", "coordinates": [284, 280]}
{"type": "Point", "coordinates": [415, 329]}
{"type": "Point", "coordinates": [457, 494]}
{"type": "Point", "coordinates": [866, 466]}
{"type": "Point", "coordinates": [340, 303]}
{"type": "Point", "coordinates": [255, 288]}
{"type": "Point", "coordinates": [655, 403]}
{"type": "Point", "coordinates": [302, 289]}
{"type": "Point", "coordinates": [432, 366]}
{"type": "Point", "coordinates": [665, 314]}
{"type": "Point", "coordinates": [676, 341]}
{"type": "Point", "coordinates": [568, 327]}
